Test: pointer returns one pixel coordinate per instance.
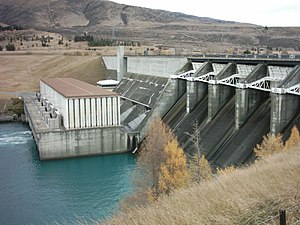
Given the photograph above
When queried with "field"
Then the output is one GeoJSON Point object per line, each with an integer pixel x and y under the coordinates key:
{"type": "Point", "coordinates": [22, 73]}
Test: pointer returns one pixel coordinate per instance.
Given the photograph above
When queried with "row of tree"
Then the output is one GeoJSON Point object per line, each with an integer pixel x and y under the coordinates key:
{"type": "Point", "coordinates": [103, 41]}
{"type": "Point", "coordinates": [11, 28]}
{"type": "Point", "coordinates": [82, 38]}
{"type": "Point", "coordinates": [163, 167]}
{"type": "Point", "coordinates": [112, 42]}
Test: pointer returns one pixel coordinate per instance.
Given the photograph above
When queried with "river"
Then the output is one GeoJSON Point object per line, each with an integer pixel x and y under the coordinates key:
{"type": "Point", "coordinates": [60, 191]}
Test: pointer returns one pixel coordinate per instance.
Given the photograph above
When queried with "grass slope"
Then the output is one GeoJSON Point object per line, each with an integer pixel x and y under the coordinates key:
{"type": "Point", "coordinates": [23, 72]}
{"type": "Point", "coordinates": [247, 196]}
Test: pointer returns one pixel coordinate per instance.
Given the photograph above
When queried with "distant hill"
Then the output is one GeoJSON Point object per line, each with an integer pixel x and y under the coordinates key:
{"type": "Point", "coordinates": [102, 18]}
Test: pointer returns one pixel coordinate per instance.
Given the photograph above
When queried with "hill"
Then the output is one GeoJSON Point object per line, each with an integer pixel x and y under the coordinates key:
{"type": "Point", "coordinates": [107, 19]}
{"type": "Point", "coordinates": [253, 195]}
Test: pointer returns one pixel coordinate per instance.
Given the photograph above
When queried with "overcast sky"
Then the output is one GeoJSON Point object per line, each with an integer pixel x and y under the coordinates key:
{"type": "Point", "coordinates": [260, 12]}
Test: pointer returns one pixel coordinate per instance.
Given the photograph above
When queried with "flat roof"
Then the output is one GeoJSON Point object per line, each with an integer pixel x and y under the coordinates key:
{"type": "Point", "coordinates": [73, 88]}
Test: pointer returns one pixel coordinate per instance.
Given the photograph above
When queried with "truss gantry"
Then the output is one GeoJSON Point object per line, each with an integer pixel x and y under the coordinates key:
{"type": "Point", "coordinates": [232, 80]}
{"type": "Point", "coordinates": [235, 80]}
{"type": "Point", "coordinates": [293, 90]}
{"type": "Point", "coordinates": [184, 75]}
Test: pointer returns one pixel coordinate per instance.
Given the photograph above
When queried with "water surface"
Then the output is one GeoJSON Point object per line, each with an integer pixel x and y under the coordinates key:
{"type": "Point", "coordinates": [63, 191]}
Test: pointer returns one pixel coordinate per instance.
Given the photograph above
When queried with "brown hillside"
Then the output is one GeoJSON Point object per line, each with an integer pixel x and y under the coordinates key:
{"type": "Point", "coordinates": [99, 18]}
{"type": "Point", "coordinates": [23, 72]}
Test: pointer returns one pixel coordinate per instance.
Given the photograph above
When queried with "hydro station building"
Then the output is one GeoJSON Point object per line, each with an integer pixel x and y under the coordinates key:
{"type": "Point", "coordinates": [72, 118]}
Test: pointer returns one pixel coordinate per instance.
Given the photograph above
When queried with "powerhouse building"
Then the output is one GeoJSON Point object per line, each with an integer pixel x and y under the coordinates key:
{"type": "Point", "coordinates": [81, 105]}
{"type": "Point", "coordinates": [70, 118]}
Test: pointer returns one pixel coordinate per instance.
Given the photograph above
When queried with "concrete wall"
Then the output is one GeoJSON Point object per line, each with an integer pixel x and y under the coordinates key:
{"type": "Point", "coordinates": [148, 65]}
{"type": "Point", "coordinates": [58, 101]}
{"type": "Point", "coordinates": [81, 142]}
{"type": "Point", "coordinates": [157, 66]}
{"type": "Point", "coordinates": [173, 91]}
{"type": "Point", "coordinates": [110, 62]}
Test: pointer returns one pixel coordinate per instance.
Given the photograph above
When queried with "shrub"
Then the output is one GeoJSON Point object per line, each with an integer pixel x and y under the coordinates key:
{"type": "Point", "coordinates": [10, 47]}
{"type": "Point", "coordinates": [16, 106]}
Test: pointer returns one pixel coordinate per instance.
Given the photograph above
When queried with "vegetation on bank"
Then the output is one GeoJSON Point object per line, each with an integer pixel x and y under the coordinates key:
{"type": "Point", "coordinates": [250, 195]}
{"type": "Point", "coordinates": [16, 106]}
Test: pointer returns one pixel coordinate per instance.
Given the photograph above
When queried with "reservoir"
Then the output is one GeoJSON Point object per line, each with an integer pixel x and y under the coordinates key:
{"type": "Point", "coordinates": [59, 191]}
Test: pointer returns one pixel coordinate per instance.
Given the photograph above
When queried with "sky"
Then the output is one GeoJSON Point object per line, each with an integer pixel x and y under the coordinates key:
{"type": "Point", "coordinates": [261, 12]}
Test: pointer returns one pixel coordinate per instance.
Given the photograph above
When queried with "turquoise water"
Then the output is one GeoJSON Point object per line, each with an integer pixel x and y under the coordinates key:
{"type": "Point", "coordinates": [62, 191]}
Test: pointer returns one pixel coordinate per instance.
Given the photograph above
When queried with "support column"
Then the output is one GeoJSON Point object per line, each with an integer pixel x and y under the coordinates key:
{"type": "Point", "coordinates": [218, 95]}
{"type": "Point", "coordinates": [104, 110]}
{"type": "Point", "coordinates": [196, 91]}
{"type": "Point", "coordinates": [99, 114]}
{"type": "Point", "coordinates": [66, 114]}
{"type": "Point", "coordinates": [87, 112]}
{"type": "Point", "coordinates": [71, 113]}
{"type": "Point", "coordinates": [82, 113]}
{"type": "Point", "coordinates": [76, 111]}
{"type": "Point", "coordinates": [93, 112]}
{"type": "Point", "coordinates": [109, 116]}
{"type": "Point", "coordinates": [121, 63]}
{"type": "Point", "coordinates": [114, 110]}
{"type": "Point", "coordinates": [246, 101]}
{"type": "Point", "coordinates": [283, 108]}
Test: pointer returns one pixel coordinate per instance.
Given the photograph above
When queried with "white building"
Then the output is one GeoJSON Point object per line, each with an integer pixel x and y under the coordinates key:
{"type": "Point", "coordinates": [81, 105]}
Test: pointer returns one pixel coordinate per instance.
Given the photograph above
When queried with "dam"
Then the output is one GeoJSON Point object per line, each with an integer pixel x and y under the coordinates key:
{"type": "Point", "coordinates": [234, 101]}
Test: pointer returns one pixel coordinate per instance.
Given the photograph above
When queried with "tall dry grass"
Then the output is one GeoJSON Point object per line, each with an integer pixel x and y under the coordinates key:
{"type": "Point", "coordinates": [246, 196]}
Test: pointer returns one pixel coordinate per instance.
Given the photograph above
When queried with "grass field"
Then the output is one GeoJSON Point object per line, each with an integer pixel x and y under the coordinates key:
{"type": "Point", "coordinates": [253, 195]}
{"type": "Point", "coordinates": [23, 72]}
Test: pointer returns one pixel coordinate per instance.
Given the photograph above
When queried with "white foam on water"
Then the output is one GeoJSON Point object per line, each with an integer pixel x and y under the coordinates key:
{"type": "Point", "coordinates": [15, 138]}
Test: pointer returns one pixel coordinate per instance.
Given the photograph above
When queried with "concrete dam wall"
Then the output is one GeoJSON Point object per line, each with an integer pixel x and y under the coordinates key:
{"type": "Point", "coordinates": [235, 102]}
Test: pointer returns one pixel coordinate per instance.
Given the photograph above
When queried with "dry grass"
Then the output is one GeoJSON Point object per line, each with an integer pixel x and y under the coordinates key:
{"type": "Point", "coordinates": [245, 196]}
{"type": "Point", "coordinates": [23, 72]}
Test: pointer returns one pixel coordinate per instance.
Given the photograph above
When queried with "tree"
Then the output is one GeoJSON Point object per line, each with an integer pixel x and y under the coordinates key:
{"type": "Point", "coordinates": [173, 172]}
{"type": "Point", "coordinates": [194, 137]}
{"type": "Point", "coordinates": [294, 140]}
{"type": "Point", "coordinates": [270, 144]}
{"type": "Point", "coordinates": [199, 169]}
{"type": "Point", "coordinates": [152, 154]}
{"type": "Point", "coordinates": [246, 52]}
{"type": "Point", "coordinates": [161, 165]}
{"type": "Point", "coordinates": [10, 47]}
